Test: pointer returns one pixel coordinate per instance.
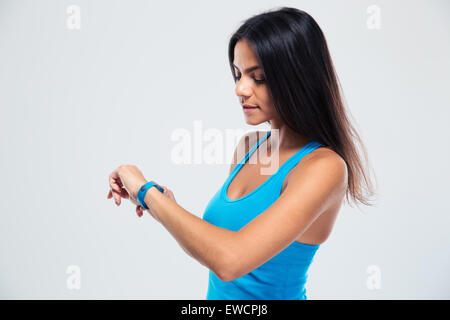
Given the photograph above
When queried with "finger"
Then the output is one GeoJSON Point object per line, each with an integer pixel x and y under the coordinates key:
{"type": "Point", "coordinates": [111, 194]}
{"type": "Point", "coordinates": [116, 185]}
{"type": "Point", "coordinates": [124, 193]}
{"type": "Point", "coordinates": [138, 211]}
{"type": "Point", "coordinates": [116, 197]}
{"type": "Point", "coordinates": [114, 182]}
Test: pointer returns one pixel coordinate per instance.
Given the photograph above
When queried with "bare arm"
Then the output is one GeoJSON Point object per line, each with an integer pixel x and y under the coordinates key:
{"type": "Point", "coordinates": [232, 254]}
{"type": "Point", "coordinates": [211, 254]}
{"type": "Point", "coordinates": [203, 241]}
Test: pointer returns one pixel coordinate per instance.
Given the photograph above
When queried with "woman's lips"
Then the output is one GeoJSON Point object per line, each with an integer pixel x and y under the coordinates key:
{"type": "Point", "coordinates": [248, 109]}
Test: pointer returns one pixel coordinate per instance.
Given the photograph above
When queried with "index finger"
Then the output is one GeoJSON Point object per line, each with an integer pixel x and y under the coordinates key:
{"type": "Point", "coordinates": [115, 184]}
{"type": "Point", "coordinates": [114, 181]}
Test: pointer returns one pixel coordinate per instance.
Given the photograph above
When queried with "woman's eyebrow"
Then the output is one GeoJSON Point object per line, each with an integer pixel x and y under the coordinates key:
{"type": "Point", "coordinates": [248, 69]}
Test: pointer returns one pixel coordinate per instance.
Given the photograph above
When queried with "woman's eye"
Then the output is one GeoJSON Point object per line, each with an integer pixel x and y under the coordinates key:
{"type": "Point", "coordinates": [258, 81]}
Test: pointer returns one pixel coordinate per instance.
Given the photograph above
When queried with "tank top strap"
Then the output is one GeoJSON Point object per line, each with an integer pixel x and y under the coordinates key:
{"type": "Point", "coordinates": [295, 159]}
{"type": "Point", "coordinates": [250, 152]}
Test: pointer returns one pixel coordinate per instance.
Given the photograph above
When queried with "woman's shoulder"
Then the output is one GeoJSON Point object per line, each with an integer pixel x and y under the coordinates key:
{"type": "Point", "coordinates": [323, 161]}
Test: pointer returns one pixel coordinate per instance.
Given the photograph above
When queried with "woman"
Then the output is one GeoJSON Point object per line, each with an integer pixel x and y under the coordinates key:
{"type": "Point", "coordinates": [259, 233]}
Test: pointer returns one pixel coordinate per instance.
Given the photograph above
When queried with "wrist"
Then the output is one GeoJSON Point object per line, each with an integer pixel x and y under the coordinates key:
{"type": "Point", "coordinates": [144, 190]}
{"type": "Point", "coordinates": [139, 185]}
{"type": "Point", "coordinates": [150, 197]}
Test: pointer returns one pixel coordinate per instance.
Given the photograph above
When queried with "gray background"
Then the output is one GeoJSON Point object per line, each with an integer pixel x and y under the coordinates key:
{"type": "Point", "coordinates": [75, 104]}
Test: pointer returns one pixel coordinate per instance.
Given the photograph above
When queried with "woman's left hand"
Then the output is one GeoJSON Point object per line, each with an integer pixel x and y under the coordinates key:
{"type": "Point", "coordinates": [124, 182]}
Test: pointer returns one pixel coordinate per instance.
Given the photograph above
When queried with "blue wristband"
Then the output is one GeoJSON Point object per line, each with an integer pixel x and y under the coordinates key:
{"type": "Point", "coordinates": [143, 190]}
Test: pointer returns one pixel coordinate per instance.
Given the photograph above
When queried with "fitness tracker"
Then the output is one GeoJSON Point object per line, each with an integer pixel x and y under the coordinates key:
{"type": "Point", "coordinates": [143, 190]}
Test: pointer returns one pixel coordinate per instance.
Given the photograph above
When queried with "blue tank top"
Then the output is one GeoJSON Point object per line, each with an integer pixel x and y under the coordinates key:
{"type": "Point", "coordinates": [284, 276]}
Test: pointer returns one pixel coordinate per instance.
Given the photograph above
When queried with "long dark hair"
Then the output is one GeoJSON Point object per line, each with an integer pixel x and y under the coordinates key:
{"type": "Point", "coordinates": [293, 53]}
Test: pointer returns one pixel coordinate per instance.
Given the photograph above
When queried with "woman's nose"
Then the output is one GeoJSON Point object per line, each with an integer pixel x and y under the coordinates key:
{"type": "Point", "coordinates": [243, 88]}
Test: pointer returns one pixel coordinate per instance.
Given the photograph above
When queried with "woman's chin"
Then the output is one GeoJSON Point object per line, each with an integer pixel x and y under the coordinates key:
{"type": "Point", "coordinates": [253, 122]}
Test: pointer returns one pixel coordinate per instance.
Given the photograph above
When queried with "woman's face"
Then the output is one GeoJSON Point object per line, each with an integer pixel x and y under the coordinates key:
{"type": "Point", "coordinates": [251, 86]}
